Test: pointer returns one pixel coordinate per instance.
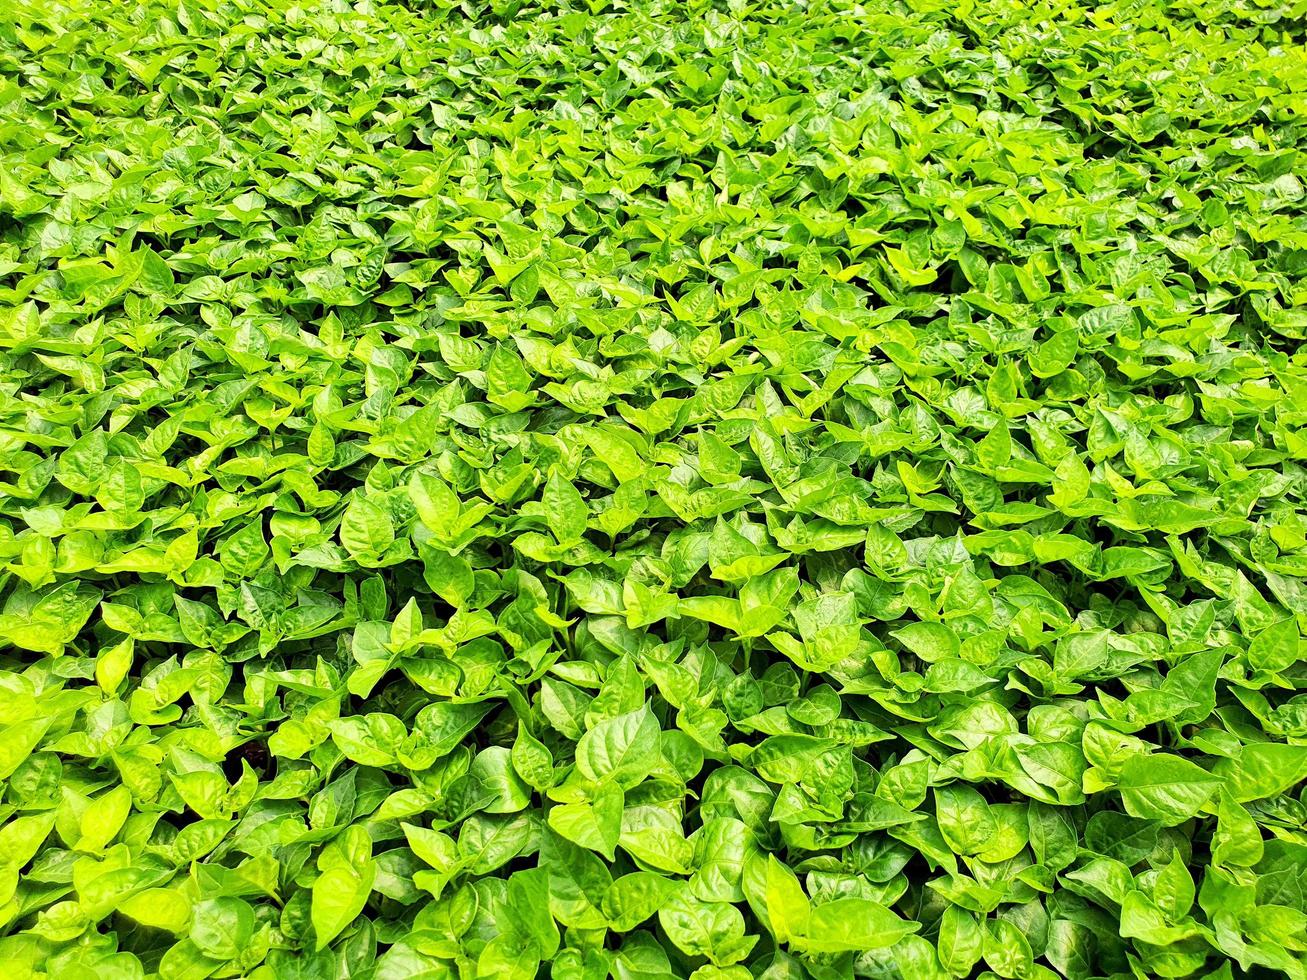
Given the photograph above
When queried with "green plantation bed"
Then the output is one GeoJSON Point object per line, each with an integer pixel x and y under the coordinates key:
{"type": "Point", "coordinates": [806, 491]}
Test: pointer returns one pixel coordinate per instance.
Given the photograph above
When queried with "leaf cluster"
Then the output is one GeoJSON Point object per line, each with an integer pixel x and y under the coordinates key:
{"type": "Point", "coordinates": [651, 489]}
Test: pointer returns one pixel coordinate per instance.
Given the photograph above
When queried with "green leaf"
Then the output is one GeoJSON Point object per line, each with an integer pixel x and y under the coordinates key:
{"type": "Point", "coordinates": [222, 927]}
{"type": "Point", "coordinates": [595, 825]}
{"type": "Point", "coordinates": [623, 749]}
{"type": "Point", "coordinates": [1166, 788]}
{"type": "Point", "coordinates": [788, 910]}
{"type": "Point", "coordinates": [565, 510]}
{"type": "Point", "coordinates": [853, 924]}
{"type": "Point", "coordinates": [366, 529]}
{"type": "Point", "coordinates": [1263, 769]}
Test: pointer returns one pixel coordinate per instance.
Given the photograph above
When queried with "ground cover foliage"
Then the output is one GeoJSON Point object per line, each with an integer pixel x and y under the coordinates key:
{"type": "Point", "coordinates": [802, 490]}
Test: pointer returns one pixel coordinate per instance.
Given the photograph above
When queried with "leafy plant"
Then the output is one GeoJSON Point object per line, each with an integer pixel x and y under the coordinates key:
{"type": "Point", "coordinates": [650, 489]}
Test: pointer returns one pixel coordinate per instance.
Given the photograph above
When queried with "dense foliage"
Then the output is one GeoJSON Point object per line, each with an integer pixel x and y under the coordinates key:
{"type": "Point", "coordinates": [787, 489]}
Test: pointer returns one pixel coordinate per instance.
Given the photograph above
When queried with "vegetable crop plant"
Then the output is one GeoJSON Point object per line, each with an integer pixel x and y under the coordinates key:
{"type": "Point", "coordinates": [653, 489]}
